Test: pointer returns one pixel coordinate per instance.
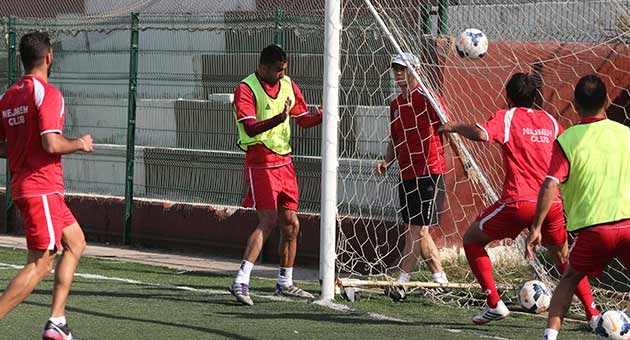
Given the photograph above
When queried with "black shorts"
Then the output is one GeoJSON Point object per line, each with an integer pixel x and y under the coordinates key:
{"type": "Point", "coordinates": [422, 200]}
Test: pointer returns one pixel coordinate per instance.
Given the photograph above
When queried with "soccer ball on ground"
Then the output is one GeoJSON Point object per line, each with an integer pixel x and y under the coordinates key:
{"type": "Point", "coordinates": [471, 43]}
{"type": "Point", "coordinates": [613, 325]}
{"type": "Point", "coordinates": [534, 297]}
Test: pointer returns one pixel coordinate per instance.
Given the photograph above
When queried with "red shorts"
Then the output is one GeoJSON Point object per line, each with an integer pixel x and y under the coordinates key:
{"type": "Point", "coordinates": [507, 220]}
{"type": "Point", "coordinates": [44, 217]}
{"type": "Point", "coordinates": [594, 248]}
{"type": "Point", "coordinates": [270, 188]}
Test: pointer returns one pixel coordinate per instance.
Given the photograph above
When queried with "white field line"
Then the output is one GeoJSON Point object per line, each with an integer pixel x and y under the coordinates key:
{"type": "Point", "coordinates": [158, 285]}
{"type": "Point", "coordinates": [330, 305]}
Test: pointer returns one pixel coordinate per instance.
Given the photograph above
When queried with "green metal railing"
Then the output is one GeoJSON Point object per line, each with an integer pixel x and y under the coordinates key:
{"type": "Point", "coordinates": [131, 124]}
{"type": "Point", "coordinates": [443, 17]}
{"type": "Point", "coordinates": [11, 76]}
{"type": "Point", "coordinates": [154, 107]}
{"type": "Point", "coordinates": [278, 26]}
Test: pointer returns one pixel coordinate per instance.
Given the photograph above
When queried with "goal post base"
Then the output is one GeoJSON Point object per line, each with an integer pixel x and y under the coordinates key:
{"type": "Point", "coordinates": [358, 283]}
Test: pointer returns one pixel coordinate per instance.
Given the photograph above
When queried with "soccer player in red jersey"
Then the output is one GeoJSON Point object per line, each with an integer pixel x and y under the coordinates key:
{"type": "Point", "coordinates": [263, 103]}
{"type": "Point", "coordinates": [589, 163]}
{"type": "Point", "coordinates": [417, 146]}
{"type": "Point", "coordinates": [526, 138]}
{"type": "Point", "coordinates": [33, 115]}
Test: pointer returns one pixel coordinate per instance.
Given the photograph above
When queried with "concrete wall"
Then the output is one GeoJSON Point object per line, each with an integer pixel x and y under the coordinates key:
{"type": "Point", "coordinates": [96, 64]}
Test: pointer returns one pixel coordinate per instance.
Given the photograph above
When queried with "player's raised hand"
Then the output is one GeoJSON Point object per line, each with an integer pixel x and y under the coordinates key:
{"type": "Point", "coordinates": [86, 141]}
{"type": "Point", "coordinates": [319, 111]}
{"type": "Point", "coordinates": [287, 107]}
{"type": "Point", "coordinates": [382, 167]}
{"type": "Point", "coordinates": [534, 239]}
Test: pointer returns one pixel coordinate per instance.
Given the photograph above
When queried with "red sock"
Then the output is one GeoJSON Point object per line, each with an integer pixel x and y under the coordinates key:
{"type": "Point", "coordinates": [482, 268]}
{"type": "Point", "coordinates": [583, 292]}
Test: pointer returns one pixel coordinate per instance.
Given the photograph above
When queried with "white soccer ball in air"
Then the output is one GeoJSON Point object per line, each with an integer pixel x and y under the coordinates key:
{"type": "Point", "coordinates": [614, 325]}
{"type": "Point", "coordinates": [471, 43]}
{"type": "Point", "coordinates": [534, 297]}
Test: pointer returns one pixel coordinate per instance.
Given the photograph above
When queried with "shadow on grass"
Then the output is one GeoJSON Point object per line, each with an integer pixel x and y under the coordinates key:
{"type": "Point", "coordinates": [176, 296]}
{"type": "Point", "coordinates": [341, 318]}
{"type": "Point", "coordinates": [149, 321]}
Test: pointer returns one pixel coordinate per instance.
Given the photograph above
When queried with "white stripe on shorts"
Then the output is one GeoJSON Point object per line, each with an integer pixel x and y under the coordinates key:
{"type": "Point", "coordinates": [490, 215]}
{"type": "Point", "coordinates": [251, 187]}
{"type": "Point", "coordinates": [51, 230]}
{"type": "Point", "coordinates": [571, 249]}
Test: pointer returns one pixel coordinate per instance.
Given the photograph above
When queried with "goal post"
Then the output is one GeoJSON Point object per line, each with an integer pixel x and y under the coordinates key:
{"type": "Point", "coordinates": [328, 218]}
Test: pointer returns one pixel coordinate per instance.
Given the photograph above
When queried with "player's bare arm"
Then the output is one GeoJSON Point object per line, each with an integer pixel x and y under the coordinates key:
{"type": "Point", "coordinates": [546, 196]}
{"type": "Point", "coordinates": [383, 166]}
{"type": "Point", "coordinates": [55, 143]}
{"type": "Point", "coordinates": [467, 130]}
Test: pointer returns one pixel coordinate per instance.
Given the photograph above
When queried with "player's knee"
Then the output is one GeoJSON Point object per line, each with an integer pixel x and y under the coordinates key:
{"type": "Point", "coordinates": [73, 240]}
{"type": "Point", "coordinates": [424, 232]}
{"type": "Point", "coordinates": [572, 275]}
{"type": "Point", "coordinates": [79, 247]}
{"type": "Point", "coordinates": [291, 230]}
{"type": "Point", "coordinates": [76, 246]}
{"type": "Point", "coordinates": [44, 266]}
{"type": "Point", "coordinates": [474, 235]}
{"type": "Point", "coordinates": [560, 259]}
{"type": "Point", "coordinates": [469, 237]}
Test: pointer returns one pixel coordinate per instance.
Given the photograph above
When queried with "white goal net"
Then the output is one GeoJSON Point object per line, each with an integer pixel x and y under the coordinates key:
{"type": "Point", "coordinates": [558, 40]}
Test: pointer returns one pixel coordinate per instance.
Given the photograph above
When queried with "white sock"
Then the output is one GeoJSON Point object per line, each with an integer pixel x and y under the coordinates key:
{"type": "Point", "coordinates": [440, 277]}
{"type": "Point", "coordinates": [285, 276]}
{"type": "Point", "coordinates": [58, 320]}
{"type": "Point", "coordinates": [550, 334]}
{"type": "Point", "coordinates": [244, 272]}
{"type": "Point", "coordinates": [404, 277]}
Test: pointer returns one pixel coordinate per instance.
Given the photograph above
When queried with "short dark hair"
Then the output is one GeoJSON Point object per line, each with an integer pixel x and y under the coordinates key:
{"type": "Point", "coordinates": [521, 89]}
{"type": "Point", "coordinates": [33, 49]}
{"type": "Point", "coordinates": [271, 54]}
{"type": "Point", "coordinates": [590, 94]}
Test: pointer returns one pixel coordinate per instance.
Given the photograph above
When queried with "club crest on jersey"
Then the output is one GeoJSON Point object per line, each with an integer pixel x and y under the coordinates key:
{"type": "Point", "coordinates": [396, 114]}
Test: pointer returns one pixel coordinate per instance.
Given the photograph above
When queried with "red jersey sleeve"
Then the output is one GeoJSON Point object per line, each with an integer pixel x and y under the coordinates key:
{"type": "Point", "coordinates": [51, 112]}
{"type": "Point", "coordinates": [495, 127]}
{"type": "Point", "coordinates": [559, 165]}
{"type": "Point", "coordinates": [244, 102]}
{"type": "Point", "coordinates": [299, 109]}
